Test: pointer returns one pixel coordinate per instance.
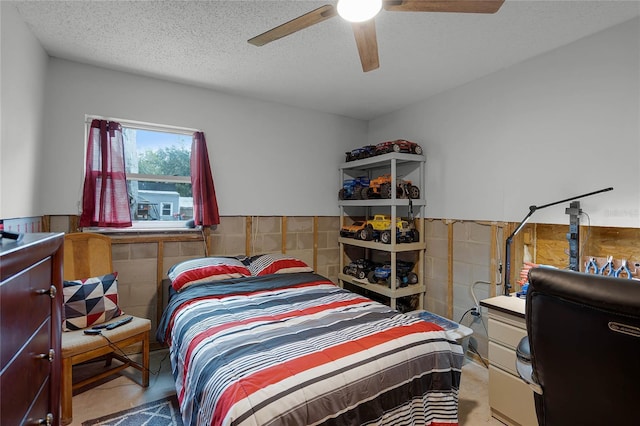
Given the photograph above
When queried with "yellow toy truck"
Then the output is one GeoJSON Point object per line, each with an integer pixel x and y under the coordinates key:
{"type": "Point", "coordinates": [380, 228]}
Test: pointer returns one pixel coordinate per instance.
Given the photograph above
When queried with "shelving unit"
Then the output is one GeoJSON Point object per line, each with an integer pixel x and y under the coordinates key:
{"type": "Point", "coordinates": [406, 166]}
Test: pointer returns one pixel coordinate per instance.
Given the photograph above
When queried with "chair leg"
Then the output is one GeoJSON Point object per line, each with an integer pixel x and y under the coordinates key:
{"type": "Point", "coordinates": [145, 360]}
{"type": "Point", "coordinates": [108, 359]}
{"type": "Point", "coordinates": [66, 384]}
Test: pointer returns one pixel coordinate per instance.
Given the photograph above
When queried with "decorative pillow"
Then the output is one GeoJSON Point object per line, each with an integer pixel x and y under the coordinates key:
{"type": "Point", "coordinates": [204, 269]}
{"type": "Point", "coordinates": [90, 301]}
{"type": "Point", "coordinates": [265, 264]}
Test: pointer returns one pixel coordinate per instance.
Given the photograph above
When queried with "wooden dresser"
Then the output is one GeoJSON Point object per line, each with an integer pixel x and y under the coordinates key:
{"type": "Point", "coordinates": [510, 398]}
{"type": "Point", "coordinates": [30, 328]}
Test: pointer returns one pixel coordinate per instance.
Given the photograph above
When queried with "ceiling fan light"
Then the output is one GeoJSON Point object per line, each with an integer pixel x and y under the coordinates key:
{"type": "Point", "coordinates": [358, 10]}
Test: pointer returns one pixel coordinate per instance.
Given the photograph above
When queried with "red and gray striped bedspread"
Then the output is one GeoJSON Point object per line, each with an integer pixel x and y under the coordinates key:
{"type": "Point", "coordinates": [295, 349]}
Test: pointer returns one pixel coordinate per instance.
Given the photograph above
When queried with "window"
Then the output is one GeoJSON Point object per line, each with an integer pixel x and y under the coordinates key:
{"type": "Point", "coordinates": [158, 174]}
{"type": "Point", "coordinates": [167, 209]}
{"type": "Point", "coordinates": [158, 170]}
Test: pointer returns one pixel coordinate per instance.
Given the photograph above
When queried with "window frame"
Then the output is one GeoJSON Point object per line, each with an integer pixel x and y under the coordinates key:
{"type": "Point", "coordinates": [143, 225]}
{"type": "Point", "coordinates": [164, 205]}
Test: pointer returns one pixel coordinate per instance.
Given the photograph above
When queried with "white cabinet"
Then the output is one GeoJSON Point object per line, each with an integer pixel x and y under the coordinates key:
{"type": "Point", "coordinates": [510, 398]}
{"type": "Point", "coordinates": [398, 166]}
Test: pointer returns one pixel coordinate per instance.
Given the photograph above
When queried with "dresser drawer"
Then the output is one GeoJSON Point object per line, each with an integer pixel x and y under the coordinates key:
{"type": "Point", "coordinates": [511, 399]}
{"type": "Point", "coordinates": [40, 407]}
{"type": "Point", "coordinates": [23, 306]}
{"type": "Point", "coordinates": [26, 377]}
{"type": "Point", "coordinates": [503, 357]}
{"type": "Point", "coordinates": [505, 334]}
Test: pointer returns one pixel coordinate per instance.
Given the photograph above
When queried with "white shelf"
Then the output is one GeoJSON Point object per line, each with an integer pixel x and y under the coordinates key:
{"type": "Point", "coordinates": [375, 245]}
{"type": "Point", "coordinates": [382, 288]}
{"type": "Point", "coordinates": [382, 202]}
{"type": "Point", "coordinates": [382, 161]}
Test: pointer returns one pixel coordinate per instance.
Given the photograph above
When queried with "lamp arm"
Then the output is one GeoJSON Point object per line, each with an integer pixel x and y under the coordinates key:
{"type": "Point", "coordinates": [507, 254]}
{"type": "Point", "coordinates": [532, 210]}
{"type": "Point", "coordinates": [574, 198]}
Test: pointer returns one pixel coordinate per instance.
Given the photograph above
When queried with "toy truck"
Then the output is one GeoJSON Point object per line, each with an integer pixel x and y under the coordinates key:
{"type": "Point", "coordinates": [360, 268]}
{"type": "Point", "coordinates": [360, 153]}
{"type": "Point", "coordinates": [380, 228]}
{"type": "Point", "coordinates": [380, 187]}
{"type": "Point", "coordinates": [404, 274]}
{"type": "Point", "coordinates": [352, 188]}
{"type": "Point", "coordinates": [355, 230]}
{"type": "Point", "coordinates": [399, 145]}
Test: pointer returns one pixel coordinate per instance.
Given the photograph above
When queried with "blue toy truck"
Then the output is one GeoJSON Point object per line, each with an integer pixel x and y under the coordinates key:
{"type": "Point", "coordinates": [404, 274]}
{"type": "Point", "coordinates": [352, 188]}
{"type": "Point", "coordinates": [360, 153]}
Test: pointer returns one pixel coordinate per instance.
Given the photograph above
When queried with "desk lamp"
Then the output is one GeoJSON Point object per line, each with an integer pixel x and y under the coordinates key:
{"type": "Point", "coordinates": [532, 210]}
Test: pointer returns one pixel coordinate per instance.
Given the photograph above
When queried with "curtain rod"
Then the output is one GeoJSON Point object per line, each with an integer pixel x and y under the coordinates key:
{"type": "Point", "coordinates": [141, 125]}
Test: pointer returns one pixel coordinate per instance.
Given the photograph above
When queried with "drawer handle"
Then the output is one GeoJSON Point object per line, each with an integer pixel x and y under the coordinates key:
{"type": "Point", "coordinates": [51, 292]}
{"type": "Point", "coordinates": [48, 356]}
{"type": "Point", "coordinates": [48, 420]}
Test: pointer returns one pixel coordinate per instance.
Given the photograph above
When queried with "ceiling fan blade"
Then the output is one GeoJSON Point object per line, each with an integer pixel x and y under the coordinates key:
{"type": "Point", "coordinates": [301, 22]}
{"type": "Point", "coordinates": [460, 6]}
{"type": "Point", "coordinates": [365, 33]}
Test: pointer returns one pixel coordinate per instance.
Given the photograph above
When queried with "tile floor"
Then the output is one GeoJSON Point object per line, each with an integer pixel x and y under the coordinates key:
{"type": "Point", "coordinates": [123, 392]}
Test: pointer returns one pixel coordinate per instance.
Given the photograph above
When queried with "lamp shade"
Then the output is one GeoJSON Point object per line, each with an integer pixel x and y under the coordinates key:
{"type": "Point", "coordinates": [358, 10]}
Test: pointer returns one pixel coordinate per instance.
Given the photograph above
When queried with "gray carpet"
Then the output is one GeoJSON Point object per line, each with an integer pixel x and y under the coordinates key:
{"type": "Point", "coordinates": [163, 412]}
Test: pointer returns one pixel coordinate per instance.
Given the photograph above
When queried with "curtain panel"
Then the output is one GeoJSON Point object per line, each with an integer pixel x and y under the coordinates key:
{"type": "Point", "coordinates": [105, 199]}
{"type": "Point", "coordinates": [205, 204]}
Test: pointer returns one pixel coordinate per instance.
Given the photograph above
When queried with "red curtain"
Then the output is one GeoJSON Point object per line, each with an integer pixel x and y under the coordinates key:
{"type": "Point", "coordinates": [205, 205]}
{"type": "Point", "coordinates": [105, 200]}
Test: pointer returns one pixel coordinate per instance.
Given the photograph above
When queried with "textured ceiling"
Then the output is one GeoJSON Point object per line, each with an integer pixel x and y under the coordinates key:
{"type": "Point", "coordinates": [204, 43]}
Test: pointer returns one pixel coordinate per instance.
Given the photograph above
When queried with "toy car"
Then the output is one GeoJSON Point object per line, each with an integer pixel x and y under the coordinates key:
{"type": "Point", "coordinates": [360, 153]}
{"type": "Point", "coordinates": [380, 187]}
{"type": "Point", "coordinates": [352, 188]}
{"type": "Point", "coordinates": [399, 145]}
{"type": "Point", "coordinates": [404, 274]}
{"type": "Point", "coordinates": [354, 230]}
{"type": "Point", "coordinates": [380, 228]}
{"type": "Point", "coordinates": [360, 268]}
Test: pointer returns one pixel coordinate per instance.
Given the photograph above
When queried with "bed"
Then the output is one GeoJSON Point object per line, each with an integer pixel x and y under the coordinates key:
{"type": "Point", "coordinates": [295, 349]}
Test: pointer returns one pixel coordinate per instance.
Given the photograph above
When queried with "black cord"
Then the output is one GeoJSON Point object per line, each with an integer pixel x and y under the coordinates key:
{"type": "Point", "coordinates": [466, 312]}
{"type": "Point", "coordinates": [473, 349]}
{"type": "Point", "coordinates": [119, 349]}
{"type": "Point", "coordinates": [586, 239]}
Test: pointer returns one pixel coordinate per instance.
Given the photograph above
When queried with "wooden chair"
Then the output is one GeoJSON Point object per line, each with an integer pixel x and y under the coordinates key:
{"type": "Point", "coordinates": [88, 255]}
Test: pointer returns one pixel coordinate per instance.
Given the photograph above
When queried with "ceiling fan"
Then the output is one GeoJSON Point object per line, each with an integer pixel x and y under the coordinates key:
{"type": "Point", "coordinates": [364, 28]}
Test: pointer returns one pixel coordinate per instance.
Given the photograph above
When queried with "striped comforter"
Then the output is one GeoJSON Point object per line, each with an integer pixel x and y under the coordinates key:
{"type": "Point", "coordinates": [294, 349]}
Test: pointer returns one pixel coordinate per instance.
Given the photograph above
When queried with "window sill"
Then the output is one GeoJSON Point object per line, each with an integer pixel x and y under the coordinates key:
{"type": "Point", "coordinates": [151, 226]}
{"type": "Point", "coordinates": [134, 236]}
{"type": "Point", "coordinates": [144, 230]}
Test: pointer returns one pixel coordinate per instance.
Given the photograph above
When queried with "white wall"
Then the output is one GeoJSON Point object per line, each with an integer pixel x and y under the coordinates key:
{"type": "Point", "coordinates": [555, 126]}
{"type": "Point", "coordinates": [22, 68]}
{"type": "Point", "coordinates": [267, 158]}
{"type": "Point", "coordinates": [561, 124]}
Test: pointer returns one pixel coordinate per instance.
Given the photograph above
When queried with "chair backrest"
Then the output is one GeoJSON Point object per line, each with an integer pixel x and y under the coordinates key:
{"type": "Point", "coordinates": [584, 333]}
{"type": "Point", "coordinates": [86, 255]}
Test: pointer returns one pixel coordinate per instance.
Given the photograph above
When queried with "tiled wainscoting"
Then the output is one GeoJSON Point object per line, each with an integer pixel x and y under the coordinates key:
{"type": "Point", "coordinates": [461, 262]}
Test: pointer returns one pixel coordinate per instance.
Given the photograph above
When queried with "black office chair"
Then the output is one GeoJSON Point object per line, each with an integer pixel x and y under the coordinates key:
{"type": "Point", "coordinates": [582, 353]}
